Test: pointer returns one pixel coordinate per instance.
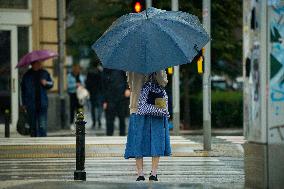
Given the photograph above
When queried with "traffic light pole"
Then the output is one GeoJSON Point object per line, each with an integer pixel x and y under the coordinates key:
{"type": "Point", "coordinates": [206, 78]}
{"type": "Point", "coordinates": [61, 53]}
{"type": "Point", "coordinates": [148, 3]}
{"type": "Point", "coordinates": [175, 88]}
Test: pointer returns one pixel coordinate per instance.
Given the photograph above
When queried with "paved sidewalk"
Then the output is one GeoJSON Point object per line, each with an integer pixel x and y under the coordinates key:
{"type": "Point", "coordinates": [183, 171]}
{"type": "Point", "coordinates": [220, 168]}
{"type": "Point", "coordinates": [102, 132]}
{"type": "Point", "coordinates": [64, 147]}
{"type": "Point", "coordinates": [103, 185]}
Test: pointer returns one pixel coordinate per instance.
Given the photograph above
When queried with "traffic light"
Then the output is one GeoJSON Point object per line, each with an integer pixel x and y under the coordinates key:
{"type": "Point", "coordinates": [200, 61]}
{"type": "Point", "coordinates": [170, 70]}
{"type": "Point", "coordinates": [199, 65]}
{"type": "Point", "coordinates": [138, 6]}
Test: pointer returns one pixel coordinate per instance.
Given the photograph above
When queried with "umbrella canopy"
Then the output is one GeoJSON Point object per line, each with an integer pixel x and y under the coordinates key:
{"type": "Point", "coordinates": [150, 41]}
{"type": "Point", "coordinates": [34, 56]}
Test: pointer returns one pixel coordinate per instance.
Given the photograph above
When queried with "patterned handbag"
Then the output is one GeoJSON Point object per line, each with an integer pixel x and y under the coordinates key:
{"type": "Point", "coordinates": [153, 99]}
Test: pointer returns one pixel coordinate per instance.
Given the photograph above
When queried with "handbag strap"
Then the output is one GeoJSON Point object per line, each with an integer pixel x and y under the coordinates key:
{"type": "Point", "coordinates": [152, 79]}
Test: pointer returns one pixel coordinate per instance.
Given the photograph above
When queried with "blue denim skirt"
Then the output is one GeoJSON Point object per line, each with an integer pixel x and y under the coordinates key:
{"type": "Point", "coordinates": [148, 136]}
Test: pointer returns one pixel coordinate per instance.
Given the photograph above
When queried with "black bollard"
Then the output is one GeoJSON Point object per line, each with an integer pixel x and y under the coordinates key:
{"type": "Point", "coordinates": [80, 173]}
{"type": "Point", "coordinates": [7, 123]}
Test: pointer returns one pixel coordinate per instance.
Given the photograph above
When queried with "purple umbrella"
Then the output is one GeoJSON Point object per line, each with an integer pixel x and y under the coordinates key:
{"type": "Point", "coordinates": [34, 56]}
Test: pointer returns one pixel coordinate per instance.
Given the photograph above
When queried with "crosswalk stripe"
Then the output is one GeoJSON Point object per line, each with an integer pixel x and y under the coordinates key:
{"type": "Point", "coordinates": [233, 139]}
{"type": "Point", "coordinates": [119, 170]}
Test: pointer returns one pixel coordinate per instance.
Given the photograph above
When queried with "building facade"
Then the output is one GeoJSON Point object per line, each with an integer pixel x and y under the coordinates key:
{"type": "Point", "coordinates": [25, 25]}
{"type": "Point", "coordinates": [263, 50]}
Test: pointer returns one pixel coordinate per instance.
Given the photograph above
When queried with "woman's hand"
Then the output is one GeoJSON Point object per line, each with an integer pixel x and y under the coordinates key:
{"type": "Point", "coordinates": [105, 105]}
{"type": "Point", "coordinates": [127, 93]}
{"type": "Point", "coordinates": [43, 82]}
{"type": "Point", "coordinates": [23, 108]}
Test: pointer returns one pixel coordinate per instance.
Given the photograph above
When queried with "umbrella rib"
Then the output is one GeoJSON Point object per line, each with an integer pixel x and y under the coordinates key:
{"type": "Point", "coordinates": [122, 39]}
{"type": "Point", "coordinates": [198, 29]}
{"type": "Point", "coordinates": [163, 30]}
{"type": "Point", "coordinates": [119, 23]}
{"type": "Point", "coordinates": [183, 22]}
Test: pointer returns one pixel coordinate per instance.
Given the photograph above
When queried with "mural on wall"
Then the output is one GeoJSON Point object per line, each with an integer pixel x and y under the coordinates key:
{"type": "Point", "coordinates": [254, 85]}
{"type": "Point", "coordinates": [276, 126]}
{"type": "Point", "coordinates": [254, 130]}
{"type": "Point", "coordinates": [254, 81]}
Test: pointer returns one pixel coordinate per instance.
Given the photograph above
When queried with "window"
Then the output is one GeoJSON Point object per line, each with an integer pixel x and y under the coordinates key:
{"type": "Point", "coordinates": [23, 46]}
{"type": "Point", "coordinates": [14, 4]}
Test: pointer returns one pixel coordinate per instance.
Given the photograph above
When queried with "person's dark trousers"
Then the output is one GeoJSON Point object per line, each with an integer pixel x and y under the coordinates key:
{"type": "Point", "coordinates": [99, 111]}
{"type": "Point", "coordinates": [74, 106]}
{"type": "Point", "coordinates": [109, 122]}
{"type": "Point", "coordinates": [93, 111]}
{"type": "Point", "coordinates": [121, 126]}
{"type": "Point", "coordinates": [38, 123]}
{"type": "Point", "coordinates": [111, 112]}
{"type": "Point", "coordinates": [96, 111]}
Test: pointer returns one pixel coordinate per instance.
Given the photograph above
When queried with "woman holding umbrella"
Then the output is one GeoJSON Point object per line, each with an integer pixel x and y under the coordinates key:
{"type": "Point", "coordinates": [35, 83]}
{"type": "Point", "coordinates": [148, 135]}
{"type": "Point", "coordinates": [142, 44]}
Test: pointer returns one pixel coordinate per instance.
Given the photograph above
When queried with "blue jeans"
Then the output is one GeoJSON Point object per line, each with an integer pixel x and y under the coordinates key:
{"type": "Point", "coordinates": [38, 123]}
{"type": "Point", "coordinates": [96, 111]}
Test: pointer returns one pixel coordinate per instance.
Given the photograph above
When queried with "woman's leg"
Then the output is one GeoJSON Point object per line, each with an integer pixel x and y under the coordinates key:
{"type": "Point", "coordinates": [139, 166]}
{"type": "Point", "coordinates": [155, 163]}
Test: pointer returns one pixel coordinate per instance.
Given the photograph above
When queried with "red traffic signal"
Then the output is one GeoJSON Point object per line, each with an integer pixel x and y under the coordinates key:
{"type": "Point", "coordinates": [138, 6]}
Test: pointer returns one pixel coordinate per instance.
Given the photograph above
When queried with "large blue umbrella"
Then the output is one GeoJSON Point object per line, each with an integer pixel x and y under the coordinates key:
{"type": "Point", "coordinates": [150, 41]}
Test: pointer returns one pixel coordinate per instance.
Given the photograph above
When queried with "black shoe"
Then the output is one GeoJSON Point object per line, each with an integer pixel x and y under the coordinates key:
{"type": "Point", "coordinates": [154, 178]}
{"type": "Point", "coordinates": [140, 178]}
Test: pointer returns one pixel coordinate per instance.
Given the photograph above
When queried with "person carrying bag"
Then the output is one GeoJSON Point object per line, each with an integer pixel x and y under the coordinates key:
{"type": "Point", "coordinates": [148, 131]}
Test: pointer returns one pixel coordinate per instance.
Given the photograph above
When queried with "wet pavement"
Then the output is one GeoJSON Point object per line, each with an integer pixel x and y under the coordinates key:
{"type": "Point", "coordinates": [223, 167]}
{"type": "Point", "coordinates": [101, 185]}
{"type": "Point", "coordinates": [59, 147]}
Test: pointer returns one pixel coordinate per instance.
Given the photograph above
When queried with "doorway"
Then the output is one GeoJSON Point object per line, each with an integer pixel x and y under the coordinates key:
{"type": "Point", "coordinates": [9, 99]}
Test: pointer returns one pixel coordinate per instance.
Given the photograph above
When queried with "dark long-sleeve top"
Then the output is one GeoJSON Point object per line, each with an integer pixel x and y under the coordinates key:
{"type": "Point", "coordinates": [94, 84]}
{"type": "Point", "coordinates": [114, 85]}
{"type": "Point", "coordinates": [34, 94]}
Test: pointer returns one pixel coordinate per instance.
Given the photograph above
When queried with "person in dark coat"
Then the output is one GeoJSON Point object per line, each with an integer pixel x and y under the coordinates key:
{"type": "Point", "coordinates": [35, 83]}
{"type": "Point", "coordinates": [94, 84]}
{"type": "Point", "coordinates": [116, 97]}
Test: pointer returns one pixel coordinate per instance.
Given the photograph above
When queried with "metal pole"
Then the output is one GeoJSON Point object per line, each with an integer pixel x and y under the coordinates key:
{"type": "Point", "coordinates": [61, 53]}
{"type": "Point", "coordinates": [148, 3]}
{"type": "Point", "coordinates": [7, 123]}
{"type": "Point", "coordinates": [206, 79]}
{"type": "Point", "coordinates": [175, 88]}
{"type": "Point", "coordinates": [246, 54]}
{"type": "Point", "coordinates": [80, 173]}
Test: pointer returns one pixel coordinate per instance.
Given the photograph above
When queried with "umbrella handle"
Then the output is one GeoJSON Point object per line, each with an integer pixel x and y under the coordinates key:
{"type": "Point", "coordinates": [146, 13]}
